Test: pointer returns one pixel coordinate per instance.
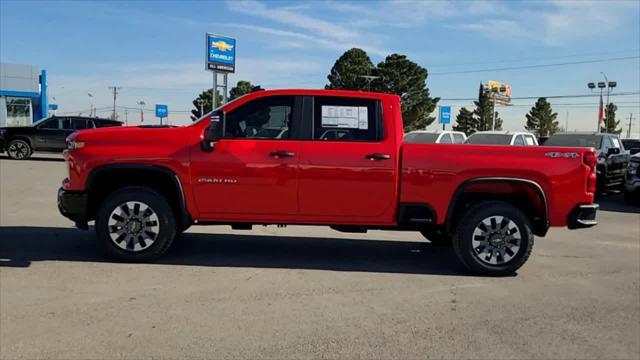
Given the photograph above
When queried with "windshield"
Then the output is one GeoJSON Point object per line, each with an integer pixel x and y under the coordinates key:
{"type": "Point", "coordinates": [421, 138]}
{"type": "Point", "coordinates": [576, 140]}
{"type": "Point", "coordinates": [489, 139]}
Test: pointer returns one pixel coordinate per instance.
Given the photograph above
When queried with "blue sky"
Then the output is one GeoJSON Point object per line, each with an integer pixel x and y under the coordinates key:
{"type": "Point", "coordinates": [155, 50]}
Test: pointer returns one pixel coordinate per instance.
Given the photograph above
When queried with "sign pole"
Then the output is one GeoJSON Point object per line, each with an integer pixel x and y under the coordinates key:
{"type": "Point", "coordinates": [224, 89]}
{"type": "Point", "coordinates": [493, 122]}
{"type": "Point", "coordinates": [215, 89]}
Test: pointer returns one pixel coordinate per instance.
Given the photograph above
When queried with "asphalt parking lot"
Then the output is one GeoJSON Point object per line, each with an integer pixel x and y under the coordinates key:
{"type": "Point", "coordinates": [305, 292]}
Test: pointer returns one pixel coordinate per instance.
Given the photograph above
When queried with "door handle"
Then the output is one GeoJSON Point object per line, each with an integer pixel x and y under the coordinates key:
{"type": "Point", "coordinates": [378, 156]}
{"type": "Point", "coordinates": [282, 154]}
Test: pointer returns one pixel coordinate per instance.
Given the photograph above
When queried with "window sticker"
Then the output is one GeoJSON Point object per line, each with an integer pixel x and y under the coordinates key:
{"type": "Point", "coordinates": [349, 117]}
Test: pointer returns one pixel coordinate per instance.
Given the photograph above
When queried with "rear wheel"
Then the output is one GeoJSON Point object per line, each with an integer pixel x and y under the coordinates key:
{"type": "Point", "coordinates": [135, 224]}
{"type": "Point", "coordinates": [493, 238]}
{"type": "Point", "coordinates": [19, 149]}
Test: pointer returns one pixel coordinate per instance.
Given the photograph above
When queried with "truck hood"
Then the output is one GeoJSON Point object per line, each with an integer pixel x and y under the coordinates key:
{"type": "Point", "coordinates": [139, 137]}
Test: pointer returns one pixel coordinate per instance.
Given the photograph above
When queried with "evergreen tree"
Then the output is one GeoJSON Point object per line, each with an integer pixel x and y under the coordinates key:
{"type": "Point", "coordinates": [347, 72]}
{"type": "Point", "coordinates": [484, 111]}
{"type": "Point", "coordinates": [466, 122]}
{"type": "Point", "coordinates": [401, 76]}
{"type": "Point", "coordinates": [611, 125]}
{"type": "Point", "coordinates": [541, 119]}
{"type": "Point", "coordinates": [206, 99]}
{"type": "Point", "coordinates": [242, 87]}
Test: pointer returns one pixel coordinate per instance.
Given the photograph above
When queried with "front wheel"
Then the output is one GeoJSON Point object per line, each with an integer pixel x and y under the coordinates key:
{"type": "Point", "coordinates": [135, 224]}
{"type": "Point", "coordinates": [493, 238]}
{"type": "Point", "coordinates": [19, 149]}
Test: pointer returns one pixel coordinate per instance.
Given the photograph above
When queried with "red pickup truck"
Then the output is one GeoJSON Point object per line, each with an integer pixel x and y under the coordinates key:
{"type": "Point", "coordinates": [320, 157]}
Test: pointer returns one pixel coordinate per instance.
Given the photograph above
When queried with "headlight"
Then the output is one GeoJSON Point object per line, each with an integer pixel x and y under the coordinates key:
{"type": "Point", "coordinates": [632, 169]}
{"type": "Point", "coordinates": [74, 144]}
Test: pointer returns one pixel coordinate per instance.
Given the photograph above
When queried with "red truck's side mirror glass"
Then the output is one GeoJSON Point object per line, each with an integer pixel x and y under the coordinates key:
{"type": "Point", "coordinates": [212, 133]}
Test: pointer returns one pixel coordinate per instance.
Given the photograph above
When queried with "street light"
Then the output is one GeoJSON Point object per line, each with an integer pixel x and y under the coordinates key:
{"type": "Point", "coordinates": [142, 104]}
{"type": "Point", "coordinates": [91, 112]}
{"type": "Point", "coordinates": [602, 85]}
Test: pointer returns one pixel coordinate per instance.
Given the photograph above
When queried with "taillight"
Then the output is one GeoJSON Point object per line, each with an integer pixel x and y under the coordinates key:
{"type": "Point", "coordinates": [591, 161]}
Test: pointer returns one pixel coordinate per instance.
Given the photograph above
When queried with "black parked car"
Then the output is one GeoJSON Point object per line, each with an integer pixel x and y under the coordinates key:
{"type": "Point", "coordinates": [47, 135]}
{"type": "Point", "coordinates": [631, 145]}
{"type": "Point", "coordinates": [612, 157]}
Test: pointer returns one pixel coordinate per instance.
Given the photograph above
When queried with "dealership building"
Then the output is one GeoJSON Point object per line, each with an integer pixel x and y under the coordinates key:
{"type": "Point", "coordinates": [23, 94]}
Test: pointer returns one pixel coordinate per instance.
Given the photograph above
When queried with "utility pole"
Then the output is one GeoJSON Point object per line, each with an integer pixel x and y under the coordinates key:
{"type": "Point", "coordinates": [115, 94]}
{"type": "Point", "coordinates": [369, 79]}
{"type": "Point", "coordinates": [629, 128]}
{"type": "Point", "coordinates": [126, 117]}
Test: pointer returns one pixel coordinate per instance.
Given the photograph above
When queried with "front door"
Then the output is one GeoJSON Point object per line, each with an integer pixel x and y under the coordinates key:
{"type": "Point", "coordinates": [51, 134]}
{"type": "Point", "coordinates": [348, 170]}
{"type": "Point", "coordinates": [253, 171]}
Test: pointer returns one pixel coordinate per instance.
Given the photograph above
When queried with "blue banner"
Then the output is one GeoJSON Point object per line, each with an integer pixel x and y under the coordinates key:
{"type": "Point", "coordinates": [162, 111]}
{"type": "Point", "coordinates": [221, 53]}
{"type": "Point", "coordinates": [445, 114]}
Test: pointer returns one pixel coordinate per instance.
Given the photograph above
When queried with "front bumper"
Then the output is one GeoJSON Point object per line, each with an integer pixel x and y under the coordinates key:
{"type": "Point", "coordinates": [73, 206]}
{"type": "Point", "coordinates": [583, 216]}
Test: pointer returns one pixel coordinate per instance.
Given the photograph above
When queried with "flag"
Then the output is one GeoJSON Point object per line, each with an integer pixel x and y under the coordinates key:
{"type": "Point", "coordinates": [601, 114]}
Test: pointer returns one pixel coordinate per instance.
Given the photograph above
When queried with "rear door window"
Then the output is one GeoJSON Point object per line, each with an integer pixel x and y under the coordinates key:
{"type": "Point", "coordinates": [346, 119]}
{"type": "Point", "coordinates": [81, 124]}
{"type": "Point", "coordinates": [529, 140]}
{"type": "Point", "coordinates": [458, 139]}
{"type": "Point", "coordinates": [518, 141]}
{"type": "Point", "coordinates": [445, 139]}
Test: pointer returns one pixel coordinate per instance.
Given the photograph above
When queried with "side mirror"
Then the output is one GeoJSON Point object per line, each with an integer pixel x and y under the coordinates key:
{"type": "Point", "coordinates": [613, 151]}
{"type": "Point", "coordinates": [211, 136]}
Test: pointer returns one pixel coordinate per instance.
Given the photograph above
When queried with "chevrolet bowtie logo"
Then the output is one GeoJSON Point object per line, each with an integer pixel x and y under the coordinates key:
{"type": "Point", "coordinates": [221, 45]}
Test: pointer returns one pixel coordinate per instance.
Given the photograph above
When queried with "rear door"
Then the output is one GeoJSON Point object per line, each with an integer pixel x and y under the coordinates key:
{"type": "Point", "coordinates": [350, 177]}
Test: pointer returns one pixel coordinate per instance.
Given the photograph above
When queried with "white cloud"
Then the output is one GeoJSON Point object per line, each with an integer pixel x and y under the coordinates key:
{"type": "Point", "coordinates": [289, 16]}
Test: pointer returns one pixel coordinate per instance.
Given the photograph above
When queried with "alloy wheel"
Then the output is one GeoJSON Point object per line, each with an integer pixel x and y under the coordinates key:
{"type": "Point", "coordinates": [496, 240]}
{"type": "Point", "coordinates": [18, 150]}
{"type": "Point", "coordinates": [133, 226]}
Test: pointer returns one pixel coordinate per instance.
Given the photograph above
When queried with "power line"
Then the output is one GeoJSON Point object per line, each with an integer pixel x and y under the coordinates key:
{"type": "Point", "coordinates": [534, 66]}
{"type": "Point", "coordinates": [532, 59]}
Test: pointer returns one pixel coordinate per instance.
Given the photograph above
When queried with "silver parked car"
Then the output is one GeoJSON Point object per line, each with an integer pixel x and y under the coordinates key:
{"type": "Point", "coordinates": [435, 137]}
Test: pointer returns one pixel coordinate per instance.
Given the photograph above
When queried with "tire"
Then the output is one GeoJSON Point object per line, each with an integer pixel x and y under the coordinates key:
{"type": "Point", "coordinates": [143, 232]}
{"type": "Point", "coordinates": [482, 247]}
{"type": "Point", "coordinates": [19, 149]}
{"type": "Point", "coordinates": [437, 237]}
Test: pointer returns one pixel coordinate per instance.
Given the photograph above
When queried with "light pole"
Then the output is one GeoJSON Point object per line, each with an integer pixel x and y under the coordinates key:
{"type": "Point", "coordinates": [142, 104]}
{"type": "Point", "coordinates": [602, 85]}
{"type": "Point", "coordinates": [91, 104]}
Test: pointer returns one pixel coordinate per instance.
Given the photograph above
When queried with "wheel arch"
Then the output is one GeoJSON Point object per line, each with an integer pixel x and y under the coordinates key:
{"type": "Point", "coordinates": [107, 178]}
{"type": "Point", "coordinates": [474, 190]}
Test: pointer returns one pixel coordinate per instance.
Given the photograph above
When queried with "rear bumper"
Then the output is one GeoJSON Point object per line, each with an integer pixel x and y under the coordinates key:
{"type": "Point", "coordinates": [73, 206]}
{"type": "Point", "coordinates": [583, 216]}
